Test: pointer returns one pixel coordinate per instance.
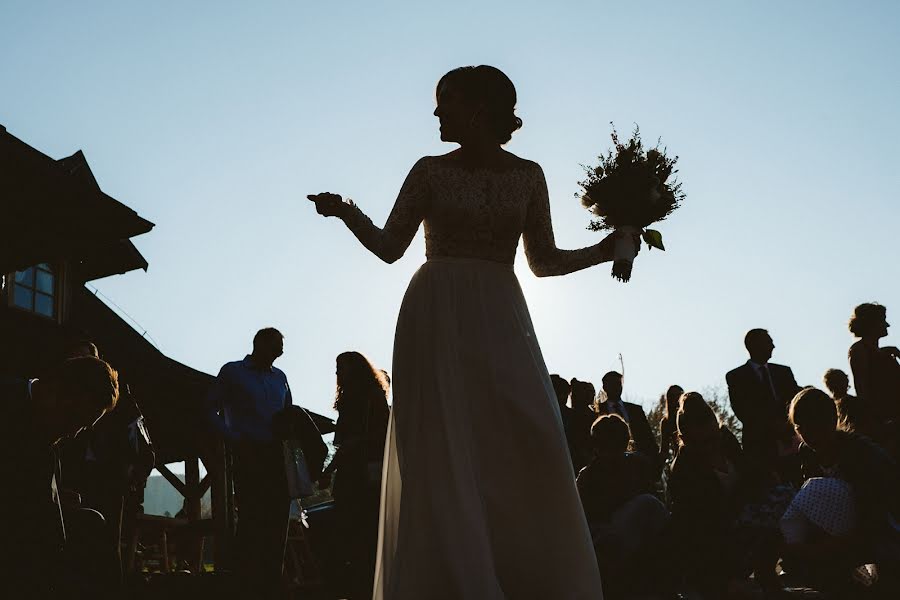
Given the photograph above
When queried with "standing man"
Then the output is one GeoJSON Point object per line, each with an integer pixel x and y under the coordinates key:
{"type": "Point", "coordinates": [642, 437]}
{"type": "Point", "coordinates": [760, 394]}
{"type": "Point", "coordinates": [242, 403]}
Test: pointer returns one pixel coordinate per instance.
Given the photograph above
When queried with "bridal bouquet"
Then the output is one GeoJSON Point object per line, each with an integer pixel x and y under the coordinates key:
{"type": "Point", "coordinates": [628, 191]}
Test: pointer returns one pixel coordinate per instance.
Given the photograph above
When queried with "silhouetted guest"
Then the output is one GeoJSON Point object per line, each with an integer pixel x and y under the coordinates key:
{"type": "Point", "coordinates": [624, 517]}
{"type": "Point", "coordinates": [611, 403]}
{"type": "Point", "coordinates": [668, 429]}
{"type": "Point", "coordinates": [583, 416]}
{"type": "Point", "coordinates": [876, 372]}
{"type": "Point", "coordinates": [360, 432]}
{"type": "Point", "coordinates": [724, 507]}
{"type": "Point", "coordinates": [760, 393]}
{"type": "Point", "coordinates": [852, 415]}
{"type": "Point", "coordinates": [36, 415]}
{"type": "Point", "coordinates": [847, 512]}
{"type": "Point", "coordinates": [246, 396]}
{"type": "Point", "coordinates": [109, 463]}
{"type": "Point", "coordinates": [562, 388]}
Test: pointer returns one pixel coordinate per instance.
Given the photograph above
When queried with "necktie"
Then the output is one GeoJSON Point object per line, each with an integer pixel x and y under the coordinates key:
{"type": "Point", "coordinates": [767, 382]}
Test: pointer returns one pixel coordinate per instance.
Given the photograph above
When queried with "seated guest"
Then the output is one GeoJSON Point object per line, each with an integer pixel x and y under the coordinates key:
{"type": "Point", "coordinates": [852, 415]}
{"type": "Point", "coordinates": [36, 414]}
{"type": "Point", "coordinates": [848, 511]}
{"type": "Point", "coordinates": [624, 517]}
{"type": "Point", "coordinates": [611, 403]}
{"type": "Point", "coordinates": [107, 465]}
{"type": "Point", "coordinates": [724, 507]}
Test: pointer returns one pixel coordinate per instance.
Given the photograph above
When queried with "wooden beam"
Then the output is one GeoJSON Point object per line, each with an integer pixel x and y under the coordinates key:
{"type": "Point", "coordinates": [171, 478]}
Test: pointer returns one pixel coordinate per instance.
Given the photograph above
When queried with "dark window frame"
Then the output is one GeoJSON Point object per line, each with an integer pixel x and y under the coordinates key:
{"type": "Point", "coordinates": [56, 273]}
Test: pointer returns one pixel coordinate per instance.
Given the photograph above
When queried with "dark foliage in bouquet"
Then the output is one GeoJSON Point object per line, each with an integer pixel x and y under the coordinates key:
{"type": "Point", "coordinates": [632, 187]}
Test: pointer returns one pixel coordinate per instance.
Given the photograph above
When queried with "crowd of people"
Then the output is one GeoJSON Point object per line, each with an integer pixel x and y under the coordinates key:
{"type": "Point", "coordinates": [808, 490]}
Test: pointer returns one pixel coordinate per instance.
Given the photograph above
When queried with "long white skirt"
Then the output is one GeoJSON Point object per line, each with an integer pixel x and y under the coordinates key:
{"type": "Point", "coordinates": [478, 497]}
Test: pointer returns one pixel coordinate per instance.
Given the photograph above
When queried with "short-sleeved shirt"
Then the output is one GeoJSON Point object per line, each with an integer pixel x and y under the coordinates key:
{"type": "Point", "coordinates": [244, 399]}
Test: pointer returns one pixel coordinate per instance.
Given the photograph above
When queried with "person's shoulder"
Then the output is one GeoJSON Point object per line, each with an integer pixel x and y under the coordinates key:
{"type": "Point", "coordinates": [737, 371]}
{"type": "Point", "coordinates": [232, 367]}
{"type": "Point", "coordinates": [778, 367]}
{"type": "Point", "coordinates": [637, 411]}
{"type": "Point", "coordinates": [857, 349]}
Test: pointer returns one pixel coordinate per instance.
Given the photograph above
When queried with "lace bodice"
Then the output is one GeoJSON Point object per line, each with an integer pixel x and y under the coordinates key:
{"type": "Point", "coordinates": [478, 213]}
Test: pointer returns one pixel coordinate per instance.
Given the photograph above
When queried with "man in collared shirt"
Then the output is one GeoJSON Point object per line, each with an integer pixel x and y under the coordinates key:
{"type": "Point", "coordinates": [760, 394]}
{"type": "Point", "coordinates": [243, 401]}
{"type": "Point", "coordinates": [36, 415]}
{"type": "Point", "coordinates": [642, 437]}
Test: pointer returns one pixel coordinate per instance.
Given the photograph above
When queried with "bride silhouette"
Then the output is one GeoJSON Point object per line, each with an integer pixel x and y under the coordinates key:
{"type": "Point", "coordinates": [478, 496]}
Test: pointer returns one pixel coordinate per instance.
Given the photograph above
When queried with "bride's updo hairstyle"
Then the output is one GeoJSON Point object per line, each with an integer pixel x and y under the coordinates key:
{"type": "Point", "coordinates": [491, 88]}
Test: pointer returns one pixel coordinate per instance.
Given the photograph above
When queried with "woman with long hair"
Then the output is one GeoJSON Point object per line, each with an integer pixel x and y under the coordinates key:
{"type": "Point", "coordinates": [360, 431]}
{"type": "Point", "coordinates": [668, 430]}
{"type": "Point", "coordinates": [476, 440]}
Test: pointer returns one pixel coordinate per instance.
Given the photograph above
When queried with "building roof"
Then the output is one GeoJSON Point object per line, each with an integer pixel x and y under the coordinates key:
{"type": "Point", "coordinates": [58, 211]}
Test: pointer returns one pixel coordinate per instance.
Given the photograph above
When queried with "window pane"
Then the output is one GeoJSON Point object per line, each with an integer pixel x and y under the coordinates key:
{"type": "Point", "coordinates": [23, 297]}
{"type": "Point", "coordinates": [43, 305]}
{"type": "Point", "coordinates": [44, 282]}
{"type": "Point", "coordinates": [25, 277]}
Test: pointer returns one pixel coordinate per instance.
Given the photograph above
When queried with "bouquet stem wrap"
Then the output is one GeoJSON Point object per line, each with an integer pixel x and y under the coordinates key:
{"type": "Point", "coordinates": [625, 252]}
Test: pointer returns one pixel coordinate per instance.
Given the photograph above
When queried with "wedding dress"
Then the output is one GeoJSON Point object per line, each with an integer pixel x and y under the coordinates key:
{"type": "Point", "coordinates": [478, 494]}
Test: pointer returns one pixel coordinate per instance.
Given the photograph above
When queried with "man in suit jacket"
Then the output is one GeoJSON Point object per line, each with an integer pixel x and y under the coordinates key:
{"type": "Point", "coordinates": [760, 394]}
{"type": "Point", "coordinates": [611, 403]}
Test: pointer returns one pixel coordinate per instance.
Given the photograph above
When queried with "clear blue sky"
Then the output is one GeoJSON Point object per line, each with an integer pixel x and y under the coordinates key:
{"type": "Point", "coordinates": [215, 119]}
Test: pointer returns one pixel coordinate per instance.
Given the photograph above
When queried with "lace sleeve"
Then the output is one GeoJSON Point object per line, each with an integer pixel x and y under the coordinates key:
{"type": "Point", "coordinates": [391, 242]}
{"type": "Point", "coordinates": [544, 258]}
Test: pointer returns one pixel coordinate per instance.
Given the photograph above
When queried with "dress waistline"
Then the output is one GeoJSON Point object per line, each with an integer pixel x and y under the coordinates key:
{"type": "Point", "coordinates": [458, 260]}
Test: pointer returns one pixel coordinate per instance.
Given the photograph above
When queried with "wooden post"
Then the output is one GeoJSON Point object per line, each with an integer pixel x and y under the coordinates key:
{"type": "Point", "coordinates": [222, 500]}
{"type": "Point", "coordinates": [192, 489]}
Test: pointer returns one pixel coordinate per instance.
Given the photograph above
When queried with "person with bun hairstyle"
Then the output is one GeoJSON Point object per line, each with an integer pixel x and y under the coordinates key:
{"type": "Point", "coordinates": [475, 441]}
{"type": "Point", "coordinates": [876, 372]}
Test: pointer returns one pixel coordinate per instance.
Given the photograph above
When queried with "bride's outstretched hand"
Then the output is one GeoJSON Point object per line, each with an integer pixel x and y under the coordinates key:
{"type": "Point", "coordinates": [328, 205]}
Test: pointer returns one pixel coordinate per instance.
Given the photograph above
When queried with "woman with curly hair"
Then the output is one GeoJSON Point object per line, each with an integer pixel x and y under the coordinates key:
{"type": "Point", "coordinates": [476, 433]}
{"type": "Point", "coordinates": [360, 431]}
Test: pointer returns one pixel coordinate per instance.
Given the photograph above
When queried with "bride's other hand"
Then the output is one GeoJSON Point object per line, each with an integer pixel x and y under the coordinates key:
{"type": "Point", "coordinates": [328, 205]}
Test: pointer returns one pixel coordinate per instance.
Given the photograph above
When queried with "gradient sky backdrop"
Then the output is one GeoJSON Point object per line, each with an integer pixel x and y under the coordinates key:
{"type": "Point", "coordinates": [215, 119]}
